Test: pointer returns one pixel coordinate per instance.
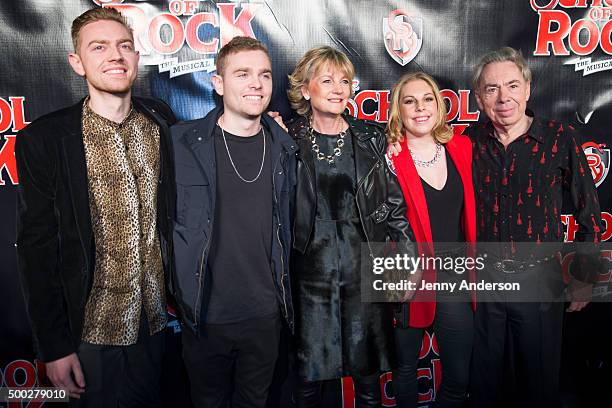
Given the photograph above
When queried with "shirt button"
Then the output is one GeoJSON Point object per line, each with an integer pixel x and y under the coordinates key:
{"type": "Point", "coordinates": [199, 139]}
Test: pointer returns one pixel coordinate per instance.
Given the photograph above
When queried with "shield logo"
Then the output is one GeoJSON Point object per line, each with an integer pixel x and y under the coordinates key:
{"type": "Point", "coordinates": [598, 159]}
{"type": "Point", "coordinates": [403, 35]}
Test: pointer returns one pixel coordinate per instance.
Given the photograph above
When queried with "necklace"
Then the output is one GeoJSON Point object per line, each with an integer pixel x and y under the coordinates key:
{"type": "Point", "coordinates": [263, 159]}
{"type": "Point", "coordinates": [429, 163]}
{"type": "Point", "coordinates": [330, 158]}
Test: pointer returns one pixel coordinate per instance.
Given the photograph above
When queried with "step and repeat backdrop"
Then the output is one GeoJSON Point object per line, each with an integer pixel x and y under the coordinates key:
{"type": "Point", "coordinates": [567, 43]}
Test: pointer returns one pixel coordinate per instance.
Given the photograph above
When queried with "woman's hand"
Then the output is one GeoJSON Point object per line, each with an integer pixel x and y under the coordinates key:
{"type": "Point", "coordinates": [394, 149]}
{"type": "Point", "coordinates": [278, 119]}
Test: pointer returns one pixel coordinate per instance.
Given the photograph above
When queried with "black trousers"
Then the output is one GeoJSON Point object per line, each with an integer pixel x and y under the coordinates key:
{"type": "Point", "coordinates": [232, 362]}
{"type": "Point", "coordinates": [453, 327]}
{"type": "Point", "coordinates": [122, 376]}
{"type": "Point", "coordinates": [517, 345]}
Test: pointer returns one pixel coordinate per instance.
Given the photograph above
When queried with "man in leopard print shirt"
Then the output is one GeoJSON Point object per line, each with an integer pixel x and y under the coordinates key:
{"type": "Point", "coordinates": [95, 198]}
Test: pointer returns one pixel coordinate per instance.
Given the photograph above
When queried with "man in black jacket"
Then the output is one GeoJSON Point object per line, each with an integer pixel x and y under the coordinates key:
{"type": "Point", "coordinates": [235, 176]}
{"type": "Point", "coordinates": [95, 200]}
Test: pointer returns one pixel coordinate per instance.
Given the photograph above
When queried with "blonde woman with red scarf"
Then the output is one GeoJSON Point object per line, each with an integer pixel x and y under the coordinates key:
{"type": "Point", "coordinates": [434, 169]}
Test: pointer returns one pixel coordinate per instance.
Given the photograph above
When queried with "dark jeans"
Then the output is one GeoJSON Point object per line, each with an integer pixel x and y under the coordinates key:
{"type": "Point", "coordinates": [122, 376]}
{"type": "Point", "coordinates": [453, 327]}
{"type": "Point", "coordinates": [232, 362]}
{"type": "Point", "coordinates": [526, 334]}
{"type": "Point", "coordinates": [367, 392]}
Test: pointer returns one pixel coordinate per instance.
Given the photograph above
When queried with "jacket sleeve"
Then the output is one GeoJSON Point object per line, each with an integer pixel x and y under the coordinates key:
{"type": "Point", "coordinates": [38, 245]}
{"type": "Point", "coordinates": [397, 223]}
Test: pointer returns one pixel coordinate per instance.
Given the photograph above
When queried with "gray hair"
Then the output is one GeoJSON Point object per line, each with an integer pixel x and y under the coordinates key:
{"type": "Point", "coordinates": [501, 55]}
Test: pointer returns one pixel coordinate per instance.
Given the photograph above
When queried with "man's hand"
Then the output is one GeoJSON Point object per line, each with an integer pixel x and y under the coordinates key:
{"type": "Point", "coordinates": [61, 371]}
{"type": "Point", "coordinates": [278, 119]}
{"type": "Point", "coordinates": [579, 294]}
{"type": "Point", "coordinates": [394, 149]}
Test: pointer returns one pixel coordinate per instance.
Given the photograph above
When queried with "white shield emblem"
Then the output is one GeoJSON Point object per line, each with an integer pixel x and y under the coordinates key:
{"type": "Point", "coordinates": [598, 159]}
{"type": "Point", "coordinates": [403, 36]}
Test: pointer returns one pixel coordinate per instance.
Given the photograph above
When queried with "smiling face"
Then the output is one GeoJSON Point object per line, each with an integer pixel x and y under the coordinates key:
{"type": "Point", "coordinates": [418, 108]}
{"type": "Point", "coordinates": [328, 90]}
{"type": "Point", "coordinates": [503, 93]}
{"type": "Point", "coordinates": [106, 58]}
{"type": "Point", "coordinates": [245, 84]}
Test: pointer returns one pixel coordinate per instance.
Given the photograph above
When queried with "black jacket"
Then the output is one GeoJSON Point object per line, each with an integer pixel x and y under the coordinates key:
{"type": "Point", "coordinates": [380, 202]}
{"type": "Point", "coordinates": [196, 179]}
{"type": "Point", "coordinates": [55, 242]}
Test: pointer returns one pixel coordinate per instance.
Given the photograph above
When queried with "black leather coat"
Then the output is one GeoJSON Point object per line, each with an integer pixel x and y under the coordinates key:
{"type": "Point", "coordinates": [381, 205]}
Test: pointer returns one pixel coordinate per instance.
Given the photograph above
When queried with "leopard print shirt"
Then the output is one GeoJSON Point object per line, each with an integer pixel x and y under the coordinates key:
{"type": "Point", "coordinates": [123, 172]}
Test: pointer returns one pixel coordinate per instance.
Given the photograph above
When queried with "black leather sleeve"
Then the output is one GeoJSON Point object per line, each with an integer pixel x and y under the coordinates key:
{"type": "Point", "coordinates": [397, 223]}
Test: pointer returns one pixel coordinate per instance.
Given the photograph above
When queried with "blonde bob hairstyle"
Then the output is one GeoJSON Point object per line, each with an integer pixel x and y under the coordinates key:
{"type": "Point", "coordinates": [395, 128]}
{"type": "Point", "coordinates": [311, 62]}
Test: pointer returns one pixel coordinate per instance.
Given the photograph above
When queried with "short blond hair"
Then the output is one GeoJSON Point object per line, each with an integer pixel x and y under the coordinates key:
{"type": "Point", "coordinates": [310, 63]}
{"type": "Point", "coordinates": [93, 15]}
{"type": "Point", "coordinates": [442, 133]}
{"type": "Point", "coordinates": [500, 55]}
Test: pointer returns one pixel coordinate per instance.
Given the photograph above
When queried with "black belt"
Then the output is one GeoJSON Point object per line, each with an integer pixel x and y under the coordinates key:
{"type": "Point", "coordinates": [451, 252]}
{"type": "Point", "coordinates": [515, 266]}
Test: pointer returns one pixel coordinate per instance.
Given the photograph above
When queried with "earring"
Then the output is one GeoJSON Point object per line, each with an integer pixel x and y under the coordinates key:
{"type": "Point", "coordinates": [307, 97]}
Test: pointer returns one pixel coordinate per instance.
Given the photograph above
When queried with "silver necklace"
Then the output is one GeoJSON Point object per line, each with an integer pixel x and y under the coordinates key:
{"type": "Point", "coordinates": [428, 163]}
{"type": "Point", "coordinates": [263, 159]}
{"type": "Point", "coordinates": [330, 158]}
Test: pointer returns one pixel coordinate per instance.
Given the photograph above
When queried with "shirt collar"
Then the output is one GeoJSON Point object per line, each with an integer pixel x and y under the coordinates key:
{"type": "Point", "coordinates": [535, 132]}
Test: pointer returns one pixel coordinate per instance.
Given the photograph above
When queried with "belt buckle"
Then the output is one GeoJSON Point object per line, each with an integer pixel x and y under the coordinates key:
{"type": "Point", "coordinates": [506, 266]}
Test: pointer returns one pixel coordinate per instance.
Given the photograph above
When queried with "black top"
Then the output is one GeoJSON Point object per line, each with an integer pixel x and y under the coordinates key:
{"type": "Point", "coordinates": [242, 285]}
{"type": "Point", "coordinates": [335, 182]}
{"type": "Point", "coordinates": [519, 189]}
{"type": "Point", "coordinates": [445, 206]}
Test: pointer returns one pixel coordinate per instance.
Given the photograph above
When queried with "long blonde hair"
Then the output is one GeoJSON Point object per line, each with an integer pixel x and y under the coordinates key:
{"type": "Point", "coordinates": [395, 128]}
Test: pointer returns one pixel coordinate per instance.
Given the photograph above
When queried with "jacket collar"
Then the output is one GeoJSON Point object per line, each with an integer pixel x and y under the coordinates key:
{"type": "Point", "coordinates": [362, 132]}
{"type": "Point", "coordinates": [76, 168]}
{"type": "Point", "coordinates": [361, 129]}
